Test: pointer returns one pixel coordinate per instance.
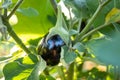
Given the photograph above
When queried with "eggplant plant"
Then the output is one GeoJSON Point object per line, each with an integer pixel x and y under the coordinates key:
{"type": "Point", "coordinates": [59, 39]}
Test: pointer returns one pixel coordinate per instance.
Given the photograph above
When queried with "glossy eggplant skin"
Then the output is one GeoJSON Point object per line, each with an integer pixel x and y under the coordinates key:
{"type": "Point", "coordinates": [50, 50]}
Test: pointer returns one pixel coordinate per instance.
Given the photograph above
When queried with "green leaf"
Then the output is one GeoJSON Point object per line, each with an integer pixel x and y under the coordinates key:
{"type": "Point", "coordinates": [6, 3]}
{"type": "Point", "coordinates": [24, 69]}
{"type": "Point", "coordinates": [35, 26]}
{"type": "Point", "coordinates": [106, 49]}
{"type": "Point", "coordinates": [30, 12]}
{"type": "Point", "coordinates": [79, 46]}
{"type": "Point", "coordinates": [38, 69]}
{"type": "Point", "coordinates": [15, 71]}
{"type": "Point", "coordinates": [20, 68]}
{"type": "Point", "coordinates": [113, 16]}
{"type": "Point", "coordinates": [69, 56]}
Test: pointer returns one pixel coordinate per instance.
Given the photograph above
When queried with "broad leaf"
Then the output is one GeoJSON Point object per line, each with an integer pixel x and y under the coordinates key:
{"type": "Point", "coordinates": [35, 26]}
{"type": "Point", "coordinates": [105, 49]}
{"type": "Point", "coordinates": [16, 71]}
{"type": "Point", "coordinates": [67, 56]}
{"type": "Point", "coordinates": [20, 68]}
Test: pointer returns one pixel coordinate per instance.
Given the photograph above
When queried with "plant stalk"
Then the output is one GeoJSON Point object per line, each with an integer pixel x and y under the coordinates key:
{"type": "Point", "coordinates": [93, 31]}
{"type": "Point", "coordinates": [10, 30]}
{"type": "Point", "coordinates": [70, 72]}
{"type": "Point", "coordinates": [14, 36]}
{"type": "Point", "coordinates": [55, 7]}
{"type": "Point", "coordinates": [92, 19]}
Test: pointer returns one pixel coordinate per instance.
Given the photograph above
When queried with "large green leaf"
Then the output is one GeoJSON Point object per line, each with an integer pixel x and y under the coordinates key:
{"type": "Point", "coordinates": [20, 68]}
{"type": "Point", "coordinates": [16, 71]}
{"type": "Point", "coordinates": [106, 49]}
{"type": "Point", "coordinates": [67, 55]}
{"type": "Point", "coordinates": [35, 26]}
